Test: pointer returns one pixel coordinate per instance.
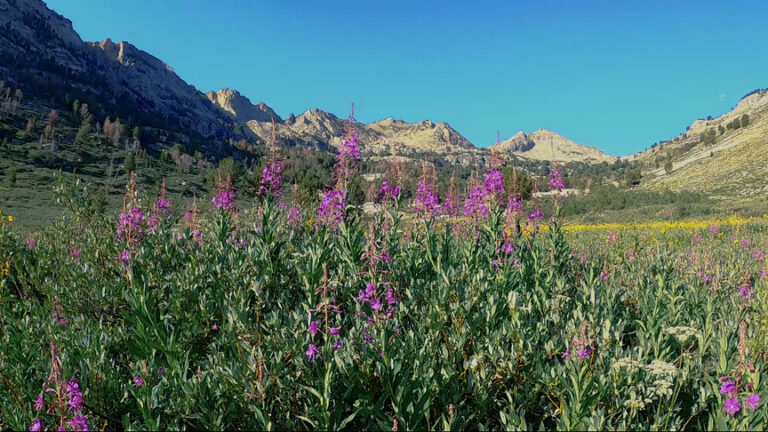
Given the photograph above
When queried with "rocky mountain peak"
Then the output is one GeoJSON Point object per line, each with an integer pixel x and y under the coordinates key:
{"type": "Point", "coordinates": [241, 108]}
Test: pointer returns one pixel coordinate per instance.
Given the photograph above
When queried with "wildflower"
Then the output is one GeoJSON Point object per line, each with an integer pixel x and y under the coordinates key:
{"type": "Point", "coordinates": [331, 210]}
{"type": "Point", "coordinates": [130, 224]}
{"type": "Point", "coordinates": [584, 352]}
{"type": "Point", "coordinates": [376, 304]}
{"type": "Point", "coordinates": [125, 256]}
{"type": "Point", "coordinates": [294, 216]}
{"type": "Point", "coordinates": [215, 327]}
{"type": "Point", "coordinates": [613, 238]}
{"type": "Point", "coordinates": [744, 242]}
{"type": "Point", "coordinates": [40, 402]}
{"type": "Point", "coordinates": [605, 275]}
{"type": "Point", "coordinates": [757, 255]}
{"type": "Point", "coordinates": [391, 297]}
{"type": "Point", "coordinates": [75, 253]}
{"type": "Point", "coordinates": [36, 425]}
{"type": "Point", "coordinates": [732, 406]}
{"type": "Point", "coordinates": [556, 181]}
{"type": "Point", "coordinates": [271, 179]}
{"type": "Point", "coordinates": [536, 215]}
{"type": "Point", "coordinates": [751, 401]}
{"type": "Point", "coordinates": [475, 205]}
{"type": "Point", "coordinates": [349, 150]}
{"type": "Point", "coordinates": [713, 229]}
{"type": "Point", "coordinates": [494, 183]}
{"type": "Point", "coordinates": [160, 370]}
{"type": "Point", "coordinates": [426, 201]}
{"type": "Point", "coordinates": [224, 195]}
{"type": "Point", "coordinates": [312, 352]}
{"type": "Point", "coordinates": [79, 422]}
{"type": "Point", "coordinates": [314, 327]}
{"type": "Point", "coordinates": [387, 192]}
{"type": "Point", "coordinates": [566, 353]}
{"type": "Point", "coordinates": [31, 243]}
{"type": "Point", "coordinates": [727, 387]}
{"type": "Point", "coordinates": [74, 395]}
{"type": "Point", "coordinates": [335, 330]}
{"type": "Point", "coordinates": [138, 381]}
{"type": "Point", "coordinates": [514, 208]}
{"type": "Point", "coordinates": [337, 345]}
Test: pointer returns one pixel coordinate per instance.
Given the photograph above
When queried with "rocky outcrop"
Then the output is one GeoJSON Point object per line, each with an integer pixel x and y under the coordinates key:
{"type": "Point", "coordinates": [547, 145]}
{"type": "Point", "coordinates": [240, 107]}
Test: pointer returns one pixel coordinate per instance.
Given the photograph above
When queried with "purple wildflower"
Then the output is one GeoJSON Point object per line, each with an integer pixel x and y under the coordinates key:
{"type": "Point", "coordinates": [314, 327]}
{"type": "Point", "coordinates": [727, 387]}
{"type": "Point", "coordinates": [40, 402]}
{"type": "Point", "coordinates": [556, 181]}
{"type": "Point", "coordinates": [335, 330]}
{"type": "Point", "coordinates": [331, 210]}
{"type": "Point", "coordinates": [271, 179]}
{"type": "Point", "coordinates": [138, 381]}
{"type": "Point", "coordinates": [75, 252]}
{"type": "Point", "coordinates": [566, 353]}
{"type": "Point", "coordinates": [312, 352]}
{"type": "Point", "coordinates": [36, 425]}
{"type": "Point", "coordinates": [732, 406]}
{"type": "Point", "coordinates": [536, 215]}
{"type": "Point", "coordinates": [584, 352]}
{"type": "Point", "coordinates": [426, 201]}
{"type": "Point", "coordinates": [391, 297]}
{"type": "Point", "coordinates": [294, 216]}
{"type": "Point", "coordinates": [752, 401]}
{"type": "Point", "coordinates": [494, 183]}
{"type": "Point", "coordinates": [387, 192]}
{"type": "Point", "coordinates": [79, 422]}
{"type": "Point", "coordinates": [337, 345]}
{"type": "Point", "coordinates": [376, 304]}
{"type": "Point", "coordinates": [475, 204]}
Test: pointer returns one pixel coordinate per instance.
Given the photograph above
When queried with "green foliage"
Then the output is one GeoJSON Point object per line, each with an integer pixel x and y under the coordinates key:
{"type": "Point", "coordinates": [214, 318]}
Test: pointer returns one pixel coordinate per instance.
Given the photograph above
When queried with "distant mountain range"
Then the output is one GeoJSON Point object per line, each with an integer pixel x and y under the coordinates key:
{"type": "Point", "coordinates": [39, 48]}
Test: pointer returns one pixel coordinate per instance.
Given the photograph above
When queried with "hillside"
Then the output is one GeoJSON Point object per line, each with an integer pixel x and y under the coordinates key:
{"type": "Point", "coordinates": [726, 157]}
{"type": "Point", "coordinates": [546, 145]}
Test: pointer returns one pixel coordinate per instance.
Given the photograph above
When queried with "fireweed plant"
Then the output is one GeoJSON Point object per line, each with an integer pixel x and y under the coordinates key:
{"type": "Point", "coordinates": [318, 318]}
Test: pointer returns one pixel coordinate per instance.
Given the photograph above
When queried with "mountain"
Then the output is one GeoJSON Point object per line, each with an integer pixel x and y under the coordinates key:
{"type": "Point", "coordinates": [241, 108]}
{"type": "Point", "coordinates": [547, 145]}
{"type": "Point", "coordinates": [725, 157]}
{"type": "Point", "coordinates": [322, 130]}
{"type": "Point", "coordinates": [40, 50]}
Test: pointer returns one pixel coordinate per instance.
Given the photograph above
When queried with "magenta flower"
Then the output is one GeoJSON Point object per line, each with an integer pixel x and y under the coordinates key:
{"type": "Point", "coordinates": [745, 242]}
{"type": "Point", "coordinates": [294, 216]}
{"type": "Point", "coordinates": [40, 402]}
{"type": "Point", "coordinates": [138, 381]}
{"type": "Point", "coordinates": [331, 210]}
{"type": "Point", "coordinates": [494, 183]}
{"type": "Point", "coordinates": [514, 208]}
{"type": "Point", "coordinates": [335, 330]}
{"type": "Point", "coordinates": [75, 252]}
{"type": "Point", "coordinates": [713, 229]}
{"type": "Point", "coordinates": [391, 297]}
{"type": "Point", "coordinates": [752, 401]}
{"type": "Point", "coordinates": [584, 352]}
{"type": "Point", "coordinates": [727, 387]}
{"type": "Point", "coordinates": [536, 215]}
{"type": "Point", "coordinates": [337, 345]}
{"type": "Point", "coordinates": [387, 192]}
{"type": "Point", "coordinates": [223, 199]}
{"type": "Point", "coordinates": [757, 255]}
{"type": "Point", "coordinates": [314, 327]}
{"type": "Point", "coordinates": [732, 406]}
{"type": "Point", "coordinates": [604, 276]}
{"type": "Point", "coordinates": [475, 204]}
{"type": "Point", "coordinates": [556, 181]}
{"type": "Point", "coordinates": [271, 179]}
{"type": "Point", "coordinates": [426, 201]}
{"type": "Point", "coordinates": [36, 425]}
{"type": "Point", "coordinates": [79, 422]}
{"type": "Point", "coordinates": [312, 352]}
{"type": "Point", "coordinates": [566, 353]}
{"type": "Point", "coordinates": [376, 304]}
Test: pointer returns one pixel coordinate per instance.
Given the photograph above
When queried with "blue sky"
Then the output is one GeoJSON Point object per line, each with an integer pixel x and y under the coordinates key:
{"type": "Point", "coordinates": [616, 75]}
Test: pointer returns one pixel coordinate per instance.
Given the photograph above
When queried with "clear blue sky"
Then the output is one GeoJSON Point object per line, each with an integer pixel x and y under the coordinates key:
{"type": "Point", "coordinates": [613, 74]}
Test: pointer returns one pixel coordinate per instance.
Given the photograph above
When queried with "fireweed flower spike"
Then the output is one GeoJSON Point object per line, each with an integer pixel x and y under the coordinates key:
{"type": "Point", "coordinates": [36, 426]}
